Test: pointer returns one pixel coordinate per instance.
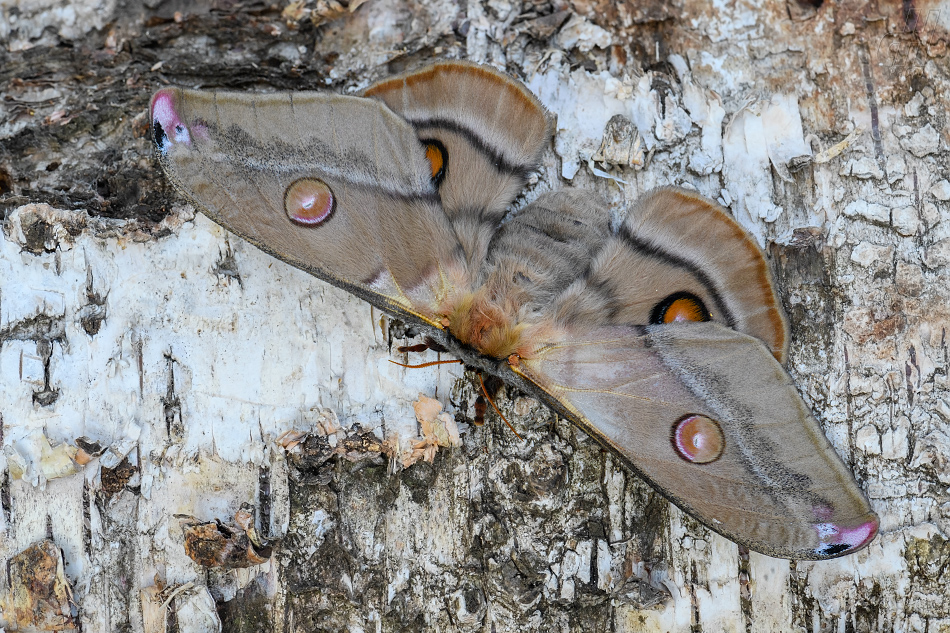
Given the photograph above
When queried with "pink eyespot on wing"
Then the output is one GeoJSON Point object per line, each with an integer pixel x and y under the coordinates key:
{"type": "Point", "coordinates": [309, 201]}
{"type": "Point", "coordinates": [823, 513]}
{"type": "Point", "coordinates": [698, 439]}
{"type": "Point", "coordinates": [199, 130]}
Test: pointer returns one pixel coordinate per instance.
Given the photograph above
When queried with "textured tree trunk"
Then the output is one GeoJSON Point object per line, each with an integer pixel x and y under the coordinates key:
{"type": "Point", "coordinates": [152, 365]}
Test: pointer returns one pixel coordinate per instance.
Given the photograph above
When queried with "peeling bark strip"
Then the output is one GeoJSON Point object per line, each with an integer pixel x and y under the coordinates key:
{"type": "Point", "coordinates": [39, 597]}
{"type": "Point", "coordinates": [498, 534]}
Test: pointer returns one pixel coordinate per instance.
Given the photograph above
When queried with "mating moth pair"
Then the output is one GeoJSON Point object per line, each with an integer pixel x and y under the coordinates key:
{"type": "Point", "coordinates": [662, 339]}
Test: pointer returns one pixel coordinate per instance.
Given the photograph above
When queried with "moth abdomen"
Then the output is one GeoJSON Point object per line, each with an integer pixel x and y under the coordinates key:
{"type": "Point", "coordinates": [543, 249]}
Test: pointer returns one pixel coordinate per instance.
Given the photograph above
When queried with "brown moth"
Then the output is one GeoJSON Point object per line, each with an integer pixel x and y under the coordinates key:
{"type": "Point", "coordinates": [662, 339]}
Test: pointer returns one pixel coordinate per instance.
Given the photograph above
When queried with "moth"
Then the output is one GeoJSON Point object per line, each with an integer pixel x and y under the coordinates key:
{"type": "Point", "coordinates": [662, 339]}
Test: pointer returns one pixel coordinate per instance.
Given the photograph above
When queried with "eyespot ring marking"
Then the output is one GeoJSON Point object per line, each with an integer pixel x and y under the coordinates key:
{"type": "Point", "coordinates": [698, 439]}
{"type": "Point", "coordinates": [309, 202]}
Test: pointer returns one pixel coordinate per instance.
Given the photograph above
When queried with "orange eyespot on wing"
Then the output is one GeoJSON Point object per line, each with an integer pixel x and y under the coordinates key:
{"type": "Point", "coordinates": [698, 439]}
{"type": "Point", "coordinates": [438, 159]}
{"type": "Point", "coordinates": [309, 201]}
{"type": "Point", "coordinates": [679, 307]}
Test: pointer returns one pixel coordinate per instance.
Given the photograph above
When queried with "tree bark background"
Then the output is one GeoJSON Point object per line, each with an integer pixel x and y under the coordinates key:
{"type": "Point", "coordinates": [185, 353]}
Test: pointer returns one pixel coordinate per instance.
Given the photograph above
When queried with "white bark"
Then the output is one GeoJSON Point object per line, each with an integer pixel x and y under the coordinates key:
{"type": "Point", "coordinates": [188, 352]}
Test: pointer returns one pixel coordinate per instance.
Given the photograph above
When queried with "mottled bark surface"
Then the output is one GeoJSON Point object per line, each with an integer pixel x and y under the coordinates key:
{"type": "Point", "coordinates": [181, 354]}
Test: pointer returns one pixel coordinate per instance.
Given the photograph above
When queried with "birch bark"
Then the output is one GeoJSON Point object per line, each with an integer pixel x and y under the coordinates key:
{"type": "Point", "coordinates": [182, 356]}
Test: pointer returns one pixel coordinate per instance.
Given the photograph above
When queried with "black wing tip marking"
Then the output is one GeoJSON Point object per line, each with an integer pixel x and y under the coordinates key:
{"type": "Point", "coordinates": [833, 550]}
{"type": "Point", "coordinates": [159, 137]}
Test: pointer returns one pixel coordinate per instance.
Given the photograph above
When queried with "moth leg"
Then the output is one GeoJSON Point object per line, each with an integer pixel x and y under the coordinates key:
{"type": "Point", "coordinates": [412, 349]}
{"type": "Point", "coordinates": [422, 347]}
{"type": "Point", "coordinates": [489, 389]}
{"type": "Point", "coordinates": [430, 364]}
{"type": "Point", "coordinates": [492, 384]}
{"type": "Point", "coordinates": [427, 344]}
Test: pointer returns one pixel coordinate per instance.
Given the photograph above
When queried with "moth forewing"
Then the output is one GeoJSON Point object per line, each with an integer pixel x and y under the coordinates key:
{"type": "Point", "coordinates": [380, 203]}
{"type": "Point", "coordinates": [775, 483]}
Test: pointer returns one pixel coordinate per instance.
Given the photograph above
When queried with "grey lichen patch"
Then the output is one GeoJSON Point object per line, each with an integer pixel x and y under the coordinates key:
{"type": "Point", "coordinates": [803, 267]}
{"type": "Point", "coordinates": [419, 480]}
{"type": "Point", "coordinates": [928, 564]}
{"type": "Point", "coordinates": [93, 313]}
{"type": "Point", "coordinates": [323, 556]}
{"type": "Point", "coordinates": [809, 611]}
{"type": "Point", "coordinates": [227, 267]}
{"type": "Point", "coordinates": [250, 610]}
{"type": "Point", "coordinates": [923, 142]}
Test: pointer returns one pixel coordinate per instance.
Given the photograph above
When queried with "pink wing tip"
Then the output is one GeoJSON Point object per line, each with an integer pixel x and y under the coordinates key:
{"type": "Point", "coordinates": [861, 535]}
{"type": "Point", "coordinates": [838, 539]}
{"type": "Point", "coordinates": [166, 123]}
